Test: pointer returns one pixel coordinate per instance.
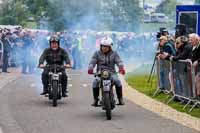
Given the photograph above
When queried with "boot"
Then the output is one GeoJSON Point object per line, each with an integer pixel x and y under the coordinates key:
{"type": "Point", "coordinates": [45, 91]}
{"type": "Point", "coordinates": [121, 101]}
{"type": "Point", "coordinates": [64, 92]}
{"type": "Point", "coordinates": [95, 95]}
{"type": "Point", "coordinates": [119, 95]}
{"type": "Point", "coordinates": [95, 103]}
{"type": "Point", "coordinates": [64, 85]}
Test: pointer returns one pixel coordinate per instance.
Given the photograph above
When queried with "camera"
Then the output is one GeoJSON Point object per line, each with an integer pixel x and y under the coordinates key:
{"type": "Point", "coordinates": [180, 30]}
{"type": "Point", "coordinates": [162, 32]}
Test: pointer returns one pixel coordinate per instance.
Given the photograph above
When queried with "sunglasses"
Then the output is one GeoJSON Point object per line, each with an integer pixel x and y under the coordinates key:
{"type": "Point", "coordinates": [178, 43]}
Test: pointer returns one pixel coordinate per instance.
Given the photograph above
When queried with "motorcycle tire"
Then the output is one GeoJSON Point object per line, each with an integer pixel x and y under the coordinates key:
{"type": "Point", "coordinates": [55, 93]}
{"type": "Point", "coordinates": [107, 104]}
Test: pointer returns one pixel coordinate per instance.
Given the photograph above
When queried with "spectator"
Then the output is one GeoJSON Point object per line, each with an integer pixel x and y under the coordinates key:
{"type": "Point", "coordinates": [194, 41]}
{"type": "Point", "coordinates": [166, 50]}
{"type": "Point", "coordinates": [6, 51]}
{"type": "Point", "coordinates": [181, 77]}
{"type": "Point", "coordinates": [195, 57]}
{"type": "Point", "coordinates": [183, 48]}
{"type": "Point", "coordinates": [1, 48]}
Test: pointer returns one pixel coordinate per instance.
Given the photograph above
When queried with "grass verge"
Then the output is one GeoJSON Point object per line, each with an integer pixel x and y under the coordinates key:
{"type": "Point", "coordinates": [138, 80]}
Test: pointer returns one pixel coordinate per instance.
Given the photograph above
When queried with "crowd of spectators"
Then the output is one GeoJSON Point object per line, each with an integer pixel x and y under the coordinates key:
{"type": "Point", "coordinates": [183, 48]}
{"type": "Point", "coordinates": [21, 47]}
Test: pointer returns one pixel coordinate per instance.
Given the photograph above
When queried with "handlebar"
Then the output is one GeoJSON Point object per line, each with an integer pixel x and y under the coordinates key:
{"type": "Point", "coordinates": [55, 66]}
{"type": "Point", "coordinates": [100, 72]}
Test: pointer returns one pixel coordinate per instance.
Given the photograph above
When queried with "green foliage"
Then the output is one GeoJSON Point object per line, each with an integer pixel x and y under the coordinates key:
{"type": "Point", "coordinates": [125, 15]}
{"type": "Point", "coordinates": [197, 1]}
{"type": "Point", "coordinates": [13, 13]}
{"type": "Point", "coordinates": [168, 7]}
{"type": "Point", "coordinates": [66, 14]}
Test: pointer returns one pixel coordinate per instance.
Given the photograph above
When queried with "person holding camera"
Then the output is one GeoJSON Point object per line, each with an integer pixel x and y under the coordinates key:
{"type": "Point", "coordinates": [165, 50]}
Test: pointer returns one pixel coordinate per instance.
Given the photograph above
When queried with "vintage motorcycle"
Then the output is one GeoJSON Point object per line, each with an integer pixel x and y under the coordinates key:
{"type": "Point", "coordinates": [107, 96]}
{"type": "Point", "coordinates": [55, 84]}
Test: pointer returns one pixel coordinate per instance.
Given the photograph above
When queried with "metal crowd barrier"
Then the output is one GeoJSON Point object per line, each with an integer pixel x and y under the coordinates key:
{"type": "Point", "coordinates": [1, 54]}
{"type": "Point", "coordinates": [178, 78]}
{"type": "Point", "coordinates": [163, 73]}
{"type": "Point", "coordinates": [197, 84]}
{"type": "Point", "coordinates": [183, 81]}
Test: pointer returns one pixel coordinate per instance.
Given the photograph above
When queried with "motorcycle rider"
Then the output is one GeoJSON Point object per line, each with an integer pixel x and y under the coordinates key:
{"type": "Point", "coordinates": [54, 55]}
{"type": "Point", "coordinates": [106, 58]}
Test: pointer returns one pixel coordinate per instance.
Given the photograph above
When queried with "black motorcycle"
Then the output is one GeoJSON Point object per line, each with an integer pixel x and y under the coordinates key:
{"type": "Point", "coordinates": [55, 84]}
{"type": "Point", "coordinates": [106, 87]}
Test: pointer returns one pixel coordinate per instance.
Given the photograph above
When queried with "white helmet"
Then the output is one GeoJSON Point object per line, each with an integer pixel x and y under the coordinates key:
{"type": "Point", "coordinates": [106, 41]}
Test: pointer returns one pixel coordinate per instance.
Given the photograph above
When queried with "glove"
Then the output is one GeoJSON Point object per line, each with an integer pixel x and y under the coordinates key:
{"type": "Point", "coordinates": [90, 71]}
{"type": "Point", "coordinates": [122, 70]}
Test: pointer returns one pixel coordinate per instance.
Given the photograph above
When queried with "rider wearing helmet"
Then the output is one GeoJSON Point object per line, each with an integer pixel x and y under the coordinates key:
{"type": "Point", "coordinates": [106, 58]}
{"type": "Point", "coordinates": [54, 55]}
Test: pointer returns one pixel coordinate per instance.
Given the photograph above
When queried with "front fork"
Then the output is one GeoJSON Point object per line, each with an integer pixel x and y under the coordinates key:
{"type": "Point", "coordinates": [112, 98]}
{"type": "Point", "coordinates": [50, 86]}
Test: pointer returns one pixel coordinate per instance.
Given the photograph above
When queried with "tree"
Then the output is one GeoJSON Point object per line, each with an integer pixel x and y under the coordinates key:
{"type": "Point", "coordinates": [75, 14]}
{"type": "Point", "coordinates": [14, 13]}
{"type": "Point", "coordinates": [168, 7]}
{"type": "Point", "coordinates": [124, 15]}
{"type": "Point", "coordinates": [197, 1]}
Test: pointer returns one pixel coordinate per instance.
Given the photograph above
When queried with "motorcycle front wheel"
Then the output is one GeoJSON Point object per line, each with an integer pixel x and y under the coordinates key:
{"type": "Point", "coordinates": [107, 104]}
{"type": "Point", "coordinates": [55, 93]}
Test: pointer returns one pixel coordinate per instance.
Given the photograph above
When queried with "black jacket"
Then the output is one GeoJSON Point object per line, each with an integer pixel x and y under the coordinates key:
{"type": "Point", "coordinates": [54, 57]}
{"type": "Point", "coordinates": [184, 52]}
{"type": "Point", "coordinates": [195, 56]}
{"type": "Point", "coordinates": [6, 46]}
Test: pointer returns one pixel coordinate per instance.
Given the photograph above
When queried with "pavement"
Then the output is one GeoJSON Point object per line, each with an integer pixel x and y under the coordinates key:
{"type": "Point", "coordinates": [23, 110]}
{"type": "Point", "coordinates": [6, 78]}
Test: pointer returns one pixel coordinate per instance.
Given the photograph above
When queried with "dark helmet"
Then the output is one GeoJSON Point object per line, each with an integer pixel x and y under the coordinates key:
{"type": "Point", "coordinates": [54, 39]}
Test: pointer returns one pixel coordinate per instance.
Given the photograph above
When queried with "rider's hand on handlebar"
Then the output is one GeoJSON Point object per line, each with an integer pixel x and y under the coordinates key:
{"type": "Point", "coordinates": [90, 71]}
{"type": "Point", "coordinates": [122, 71]}
{"type": "Point", "coordinates": [67, 66]}
{"type": "Point", "coordinates": [42, 66]}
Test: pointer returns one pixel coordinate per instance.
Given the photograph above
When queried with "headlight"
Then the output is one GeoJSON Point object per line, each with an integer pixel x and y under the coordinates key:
{"type": "Point", "coordinates": [105, 74]}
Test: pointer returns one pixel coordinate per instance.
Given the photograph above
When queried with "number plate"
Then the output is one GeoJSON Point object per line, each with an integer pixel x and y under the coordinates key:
{"type": "Point", "coordinates": [106, 85]}
{"type": "Point", "coordinates": [55, 77]}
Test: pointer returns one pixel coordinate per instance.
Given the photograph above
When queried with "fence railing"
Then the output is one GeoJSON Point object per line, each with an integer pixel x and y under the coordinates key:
{"type": "Point", "coordinates": [1, 54]}
{"type": "Point", "coordinates": [178, 78]}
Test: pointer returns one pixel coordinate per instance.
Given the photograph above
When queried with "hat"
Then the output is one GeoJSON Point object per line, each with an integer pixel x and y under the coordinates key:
{"type": "Point", "coordinates": [164, 30]}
